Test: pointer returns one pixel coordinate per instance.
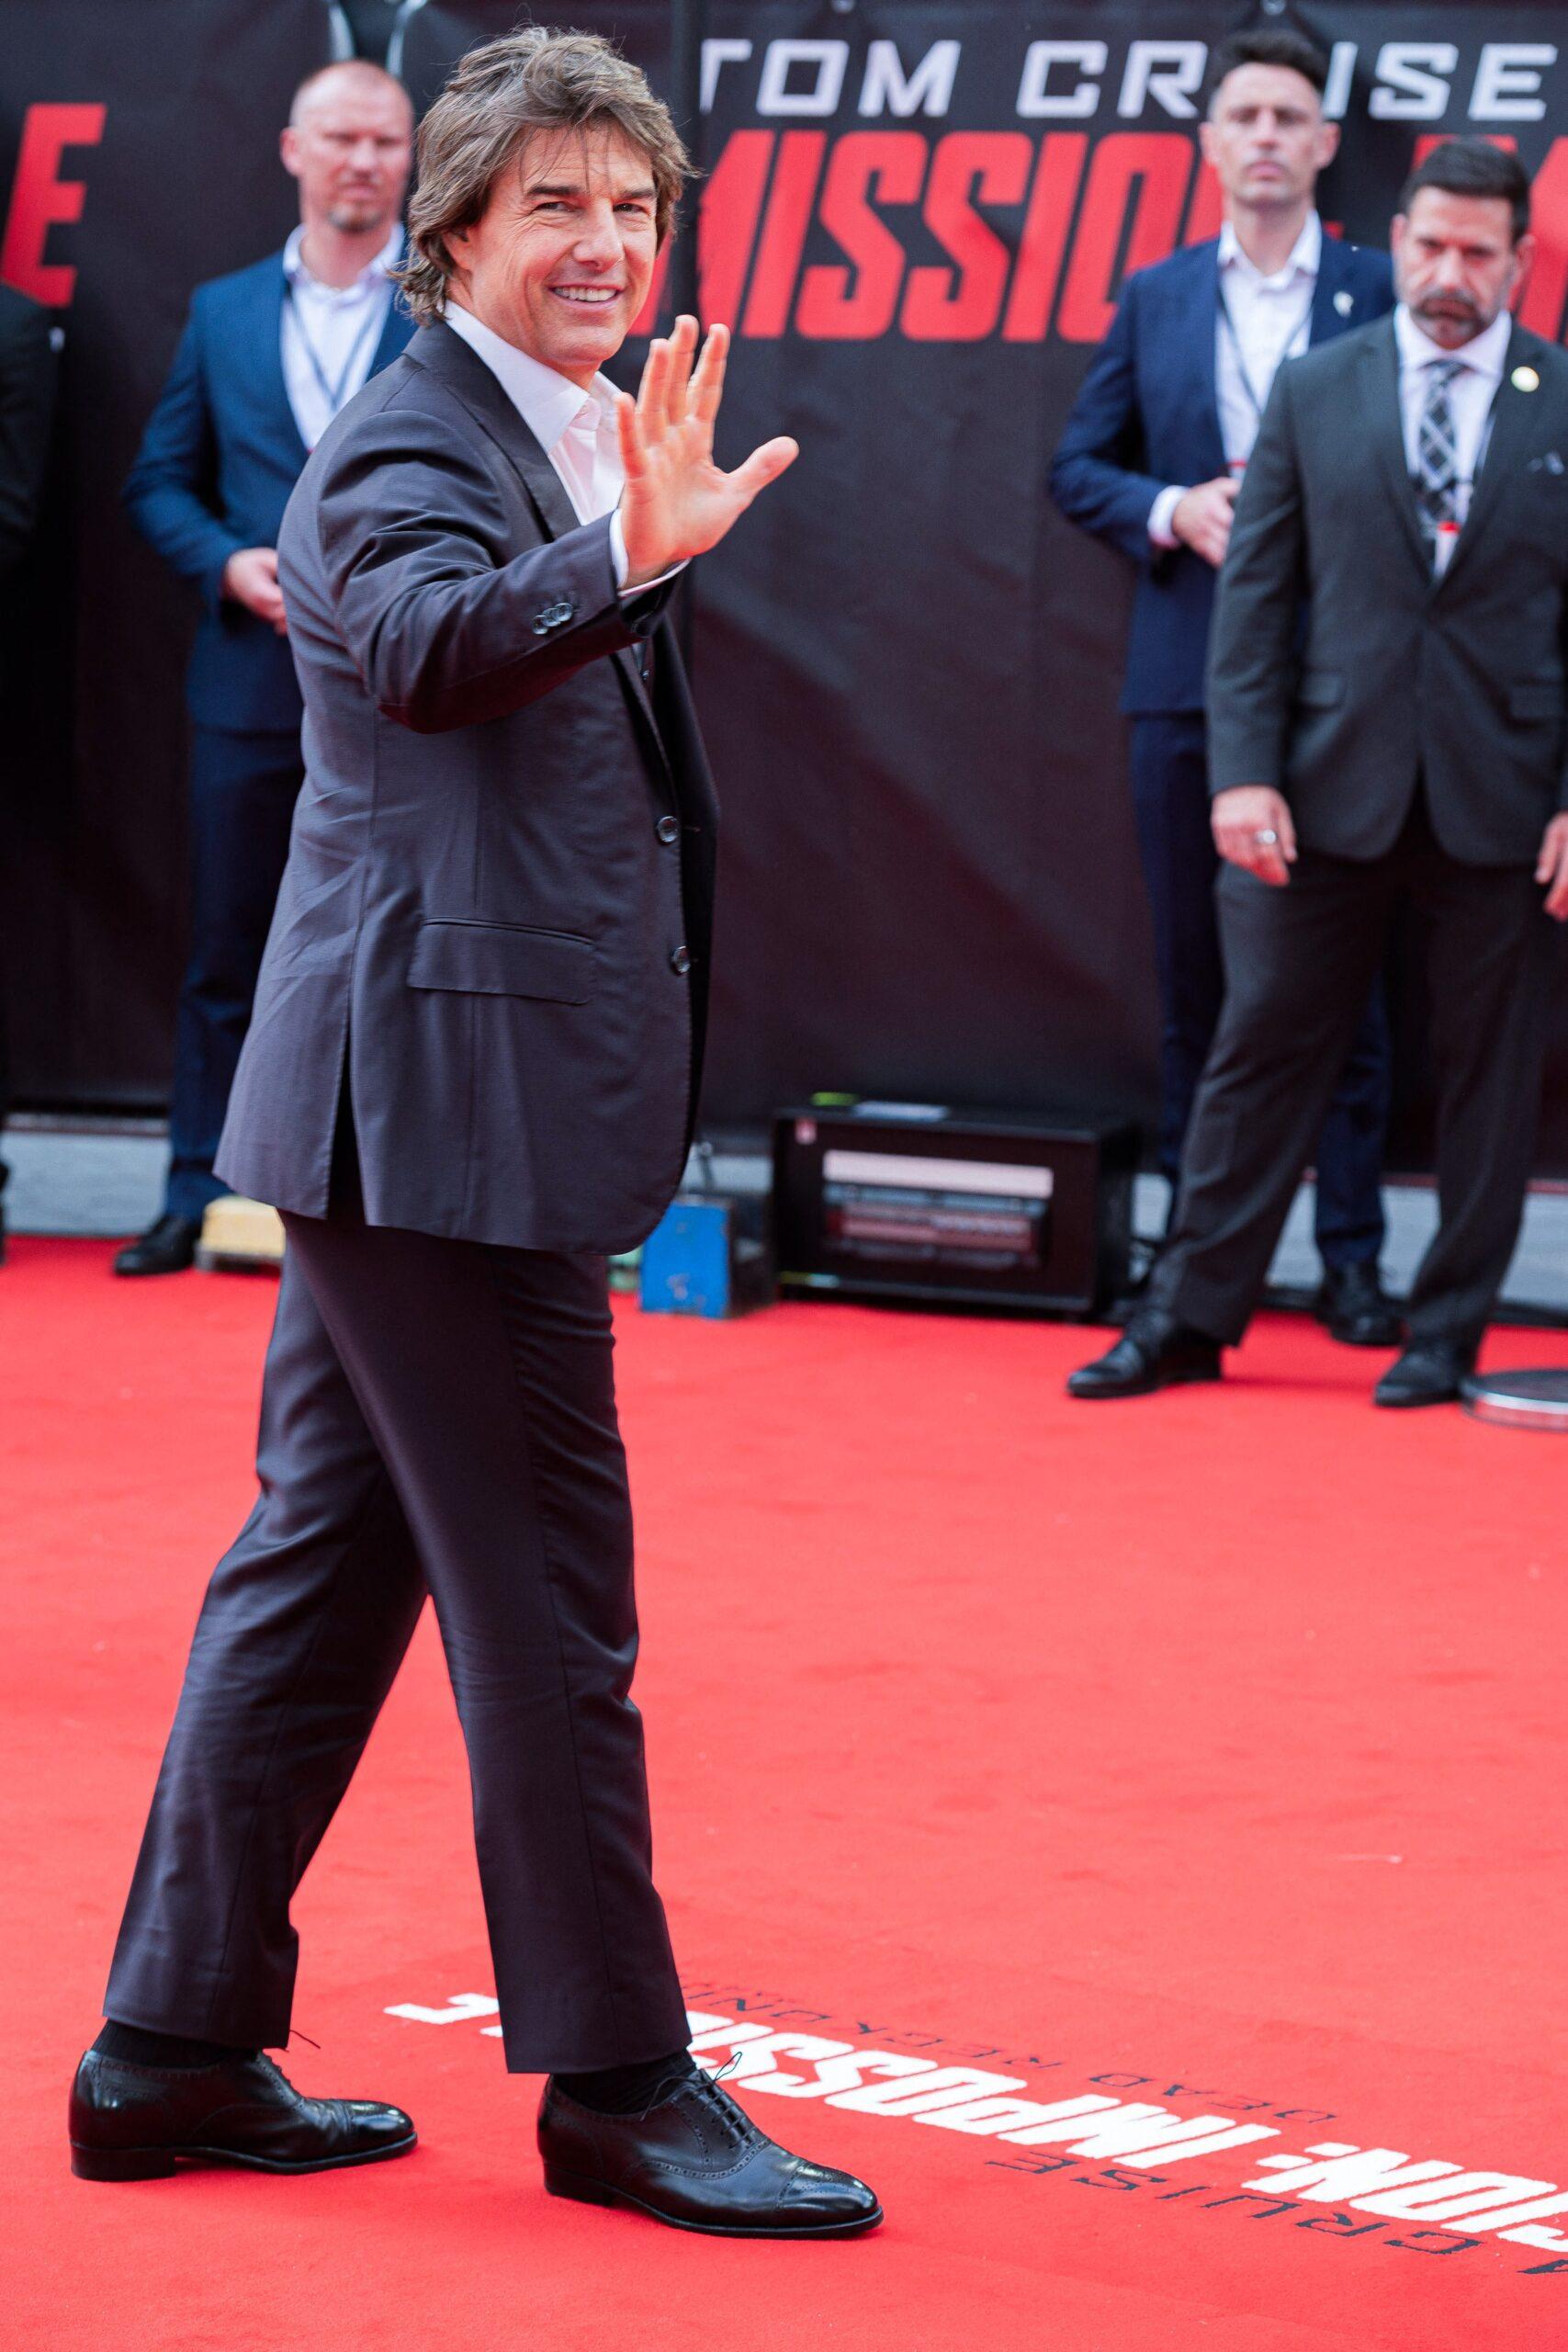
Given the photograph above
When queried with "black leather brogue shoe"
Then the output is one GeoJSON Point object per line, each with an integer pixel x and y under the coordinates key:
{"type": "Point", "coordinates": [1430, 1372]}
{"type": "Point", "coordinates": [697, 2161]}
{"type": "Point", "coordinates": [1357, 1309]}
{"type": "Point", "coordinates": [1154, 1351]}
{"type": "Point", "coordinates": [137, 2122]}
{"type": "Point", "coordinates": [166, 1248]}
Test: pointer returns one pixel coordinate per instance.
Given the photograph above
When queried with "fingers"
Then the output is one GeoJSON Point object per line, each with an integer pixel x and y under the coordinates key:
{"type": "Point", "coordinates": [653, 395]}
{"type": "Point", "coordinates": [628, 432]}
{"type": "Point", "coordinates": [683, 351]}
{"type": "Point", "coordinates": [763, 466]}
{"type": "Point", "coordinates": [1553, 868]}
{"type": "Point", "coordinates": [1284, 825]}
{"type": "Point", "coordinates": [707, 384]}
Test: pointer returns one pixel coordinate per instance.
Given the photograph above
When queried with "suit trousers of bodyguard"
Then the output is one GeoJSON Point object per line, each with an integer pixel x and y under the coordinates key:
{"type": "Point", "coordinates": [1176, 845]}
{"type": "Point", "coordinates": [483, 1376]}
{"type": "Point", "coordinates": [1298, 962]}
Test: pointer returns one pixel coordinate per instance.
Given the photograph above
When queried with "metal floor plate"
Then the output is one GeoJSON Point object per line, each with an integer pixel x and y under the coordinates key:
{"type": "Point", "coordinates": [1520, 1400]}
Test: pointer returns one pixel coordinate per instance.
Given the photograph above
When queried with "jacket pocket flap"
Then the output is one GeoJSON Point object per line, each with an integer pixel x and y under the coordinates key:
{"type": "Point", "coordinates": [503, 959]}
{"type": "Point", "coordinates": [1537, 698]}
{"type": "Point", "coordinates": [1320, 689]}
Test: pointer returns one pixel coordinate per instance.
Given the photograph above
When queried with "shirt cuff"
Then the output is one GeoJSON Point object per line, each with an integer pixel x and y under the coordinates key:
{"type": "Point", "coordinates": [621, 565]}
{"type": "Point", "coordinates": [1160, 513]}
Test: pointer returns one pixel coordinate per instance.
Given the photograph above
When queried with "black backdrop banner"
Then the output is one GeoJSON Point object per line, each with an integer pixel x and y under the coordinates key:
{"type": "Point", "coordinates": [915, 217]}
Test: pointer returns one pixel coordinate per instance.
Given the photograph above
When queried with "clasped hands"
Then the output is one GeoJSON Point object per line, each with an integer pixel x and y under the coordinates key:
{"type": "Point", "coordinates": [1253, 829]}
{"type": "Point", "coordinates": [677, 502]}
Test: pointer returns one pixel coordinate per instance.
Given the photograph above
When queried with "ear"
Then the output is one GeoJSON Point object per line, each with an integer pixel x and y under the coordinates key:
{"type": "Point", "coordinates": [1327, 145]}
{"type": "Point", "coordinates": [1524, 262]}
{"type": "Point", "coordinates": [1206, 140]}
{"type": "Point", "coordinates": [289, 148]}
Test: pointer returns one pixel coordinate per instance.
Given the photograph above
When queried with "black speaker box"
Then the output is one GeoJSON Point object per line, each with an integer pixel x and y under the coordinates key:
{"type": "Point", "coordinates": [982, 1208]}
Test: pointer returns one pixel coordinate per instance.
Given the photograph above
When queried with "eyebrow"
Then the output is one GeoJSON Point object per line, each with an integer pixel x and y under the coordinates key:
{"type": "Point", "coordinates": [575, 188]}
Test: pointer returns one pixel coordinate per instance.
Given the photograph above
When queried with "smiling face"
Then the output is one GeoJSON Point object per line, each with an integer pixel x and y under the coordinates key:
{"type": "Point", "coordinates": [1266, 137]}
{"type": "Point", "coordinates": [350, 146]}
{"type": "Point", "coordinates": [560, 261]}
{"type": "Point", "coordinates": [1455, 261]}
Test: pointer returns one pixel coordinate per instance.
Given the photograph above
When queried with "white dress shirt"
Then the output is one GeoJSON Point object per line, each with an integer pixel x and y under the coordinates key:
{"type": "Point", "coordinates": [1470, 392]}
{"type": "Point", "coordinates": [330, 334]}
{"type": "Point", "coordinates": [576, 430]}
{"type": "Point", "coordinates": [1265, 321]}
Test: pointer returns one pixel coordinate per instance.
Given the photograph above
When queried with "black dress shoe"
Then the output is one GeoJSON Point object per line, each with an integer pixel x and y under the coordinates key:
{"type": "Point", "coordinates": [134, 2122]}
{"type": "Point", "coordinates": [166, 1248]}
{"type": "Point", "coordinates": [1430, 1372]}
{"type": "Point", "coordinates": [1357, 1309]}
{"type": "Point", "coordinates": [698, 2162]}
{"type": "Point", "coordinates": [1154, 1351]}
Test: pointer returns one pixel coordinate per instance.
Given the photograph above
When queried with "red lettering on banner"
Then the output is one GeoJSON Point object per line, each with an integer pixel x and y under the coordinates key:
{"type": "Point", "coordinates": [893, 164]}
{"type": "Point", "coordinates": [727, 225]}
{"type": "Point", "coordinates": [39, 197]}
{"type": "Point", "coordinates": [1137, 187]}
{"type": "Point", "coordinates": [1207, 209]}
{"type": "Point", "coordinates": [1045, 238]}
{"type": "Point", "coordinates": [788, 217]}
{"type": "Point", "coordinates": [1541, 305]}
{"type": "Point", "coordinates": [963, 305]}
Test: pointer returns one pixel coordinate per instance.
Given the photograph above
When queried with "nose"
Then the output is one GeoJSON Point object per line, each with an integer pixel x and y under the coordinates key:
{"type": "Point", "coordinates": [1451, 267]}
{"type": "Point", "coordinates": [598, 239]}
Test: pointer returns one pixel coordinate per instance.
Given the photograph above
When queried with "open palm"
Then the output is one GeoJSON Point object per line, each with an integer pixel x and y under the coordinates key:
{"type": "Point", "coordinates": [677, 502]}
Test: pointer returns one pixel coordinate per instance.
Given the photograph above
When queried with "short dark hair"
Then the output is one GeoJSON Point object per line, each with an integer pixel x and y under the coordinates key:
{"type": "Point", "coordinates": [1268, 45]}
{"type": "Point", "coordinates": [1473, 167]}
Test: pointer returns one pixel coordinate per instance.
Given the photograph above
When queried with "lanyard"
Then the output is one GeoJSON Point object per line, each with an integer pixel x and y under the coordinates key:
{"type": "Point", "coordinates": [1228, 328]}
{"type": "Point", "coordinates": [335, 393]}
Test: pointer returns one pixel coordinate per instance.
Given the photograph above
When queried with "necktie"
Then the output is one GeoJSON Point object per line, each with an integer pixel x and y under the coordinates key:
{"type": "Point", "coordinates": [1436, 457]}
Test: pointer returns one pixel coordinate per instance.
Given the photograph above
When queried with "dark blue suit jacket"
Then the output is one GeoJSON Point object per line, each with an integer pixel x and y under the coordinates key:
{"type": "Point", "coordinates": [1148, 415]}
{"type": "Point", "coordinates": [217, 465]}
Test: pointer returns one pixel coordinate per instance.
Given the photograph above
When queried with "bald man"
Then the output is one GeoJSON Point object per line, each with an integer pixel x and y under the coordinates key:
{"type": "Point", "coordinates": [268, 357]}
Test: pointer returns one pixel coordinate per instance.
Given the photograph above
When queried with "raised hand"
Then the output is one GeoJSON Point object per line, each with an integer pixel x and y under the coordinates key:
{"type": "Point", "coordinates": [677, 502]}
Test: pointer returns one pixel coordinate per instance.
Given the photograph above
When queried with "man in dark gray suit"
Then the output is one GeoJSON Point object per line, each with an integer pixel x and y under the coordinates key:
{"type": "Point", "coordinates": [471, 1074]}
{"type": "Point", "coordinates": [1407, 746]}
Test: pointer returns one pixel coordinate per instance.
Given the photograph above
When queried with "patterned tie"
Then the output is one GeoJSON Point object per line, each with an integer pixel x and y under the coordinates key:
{"type": "Point", "coordinates": [1437, 456]}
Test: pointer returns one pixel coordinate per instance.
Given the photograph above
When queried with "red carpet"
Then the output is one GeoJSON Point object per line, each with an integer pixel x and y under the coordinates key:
{"type": "Point", "coordinates": [1203, 1754]}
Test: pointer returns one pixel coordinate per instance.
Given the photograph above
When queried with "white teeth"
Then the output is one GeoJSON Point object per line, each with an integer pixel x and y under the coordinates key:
{"type": "Point", "coordinates": [597, 295]}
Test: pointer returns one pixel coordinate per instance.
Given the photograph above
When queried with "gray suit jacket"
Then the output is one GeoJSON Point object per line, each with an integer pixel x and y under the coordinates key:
{"type": "Point", "coordinates": [1389, 676]}
{"type": "Point", "coordinates": [496, 912]}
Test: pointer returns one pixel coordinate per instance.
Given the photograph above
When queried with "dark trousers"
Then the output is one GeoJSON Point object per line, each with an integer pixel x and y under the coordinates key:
{"type": "Point", "coordinates": [1170, 801]}
{"type": "Point", "coordinates": [243, 791]}
{"type": "Point", "coordinates": [1298, 964]}
{"type": "Point", "coordinates": [436, 1416]}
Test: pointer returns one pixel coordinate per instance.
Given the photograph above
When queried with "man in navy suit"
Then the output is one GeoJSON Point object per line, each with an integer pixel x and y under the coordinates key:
{"type": "Point", "coordinates": [1151, 462]}
{"type": "Point", "coordinates": [268, 357]}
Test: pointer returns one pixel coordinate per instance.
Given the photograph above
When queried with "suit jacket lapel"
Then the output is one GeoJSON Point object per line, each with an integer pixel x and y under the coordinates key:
{"type": "Point", "coordinates": [269, 335]}
{"type": "Point", "coordinates": [1328, 318]}
{"type": "Point", "coordinates": [1380, 360]}
{"type": "Point", "coordinates": [448, 356]}
{"type": "Point", "coordinates": [1203, 346]}
{"type": "Point", "coordinates": [1505, 448]}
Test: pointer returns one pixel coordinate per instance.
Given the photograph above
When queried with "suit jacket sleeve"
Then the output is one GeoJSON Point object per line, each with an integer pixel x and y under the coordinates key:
{"type": "Point", "coordinates": [171, 489]}
{"type": "Point", "coordinates": [1097, 476]}
{"type": "Point", "coordinates": [1252, 650]}
{"type": "Point", "coordinates": [446, 624]}
{"type": "Point", "coordinates": [27, 406]}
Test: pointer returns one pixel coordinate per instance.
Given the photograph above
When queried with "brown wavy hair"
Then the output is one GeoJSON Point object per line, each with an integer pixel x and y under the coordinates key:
{"type": "Point", "coordinates": [500, 96]}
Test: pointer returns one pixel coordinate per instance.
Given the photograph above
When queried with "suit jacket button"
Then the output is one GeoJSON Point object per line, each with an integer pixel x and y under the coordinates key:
{"type": "Point", "coordinates": [541, 624]}
{"type": "Point", "coordinates": [681, 961]}
{"type": "Point", "coordinates": [668, 830]}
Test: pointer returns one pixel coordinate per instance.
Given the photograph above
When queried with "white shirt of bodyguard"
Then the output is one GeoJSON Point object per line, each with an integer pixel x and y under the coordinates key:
{"type": "Point", "coordinates": [331, 333]}
{"type": "Point", "coordinates": [576, 430]}
{"type": "Point", "coordinates": [1470, 392]}
{"type": "Point", "coordinates": [1269, 321]}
